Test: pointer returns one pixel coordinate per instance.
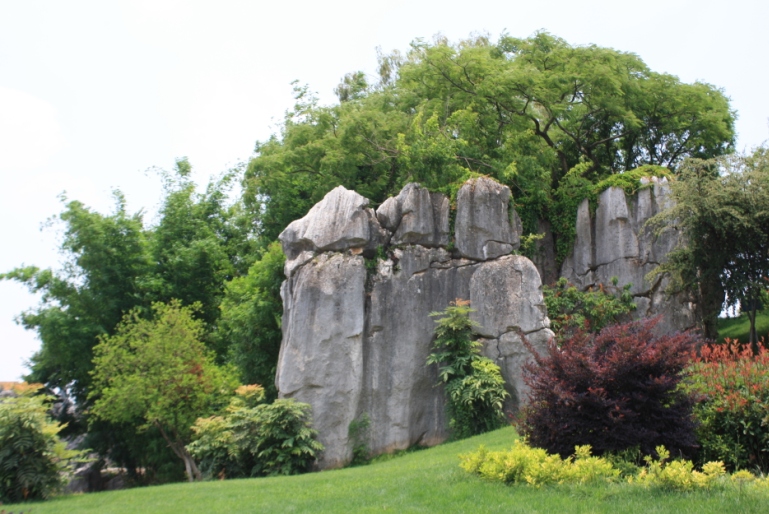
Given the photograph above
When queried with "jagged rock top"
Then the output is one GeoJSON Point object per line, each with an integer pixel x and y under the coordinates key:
{"type": "Point", "coordinates": [344, 221]}
{"type": "Point", "coordinates": [483, 228]}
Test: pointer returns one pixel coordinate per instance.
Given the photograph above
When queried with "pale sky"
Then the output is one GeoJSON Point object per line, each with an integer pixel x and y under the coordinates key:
{"type": "Point", "coordinates": [94, 93]}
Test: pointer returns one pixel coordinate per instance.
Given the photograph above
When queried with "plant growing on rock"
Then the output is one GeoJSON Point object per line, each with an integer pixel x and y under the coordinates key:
{"type": "Point", "coordinates": [614, 390]}
{"type": "Point", "coordinates": [570, 309]}
{"type": "Point", "coordinates": [474, 384]}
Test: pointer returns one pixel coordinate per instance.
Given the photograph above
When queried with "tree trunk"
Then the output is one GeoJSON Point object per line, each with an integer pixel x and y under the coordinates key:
{"type": "Point", "coordinates": [753, 335]}
{"type": "Point", "coordinates": [190, 468]}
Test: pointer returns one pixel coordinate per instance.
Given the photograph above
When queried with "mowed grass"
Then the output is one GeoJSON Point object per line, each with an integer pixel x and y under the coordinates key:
{"type": "Point", "coordinates": [739, 327]}
{"type": "Point", "coordinates": [423, 481]}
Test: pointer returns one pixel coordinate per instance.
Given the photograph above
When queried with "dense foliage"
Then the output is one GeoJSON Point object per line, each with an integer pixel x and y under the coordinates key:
{"type": "Point", "coordinates": [524, 111]}
{"type": "Point", "coordinates": [732, 383]}
{"type": "Point", "coordinates": [250, 319]}
{"type": "Point", "coordinates": [254, 439]}
{"type": "Point", "coordinates": [32, 457]}
{"type": "Point", "coordinates": [722, 207]}
{"type": "Point", "coordinates": [159, 372]}
{"type": "Point", "coordinates": [570, 309]}
{"type": "Point", "coordinates": [474, 384]}
{"type": "Point", "coordinates": [614, 390]}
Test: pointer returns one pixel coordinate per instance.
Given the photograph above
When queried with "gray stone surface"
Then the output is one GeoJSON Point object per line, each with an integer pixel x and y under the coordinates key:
{"type": "Point", "coordinates": [416, 216]}
{"type": "Point", "coordinates": [321, 356]}
{"type": "Point", "coordinates": [483, 227]}
{"type": "Point", "coordinates": [342, 220]}
{"type": "Point", "coordinates": [356, 337]}
{"type": "Point", "coordinates": [355, 342]}
{"type": "Point", "coordinates": [616, 243]}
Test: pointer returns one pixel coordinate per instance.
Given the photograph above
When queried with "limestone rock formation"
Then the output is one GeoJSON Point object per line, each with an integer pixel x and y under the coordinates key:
{"type": "Point", "coordinates": [483, 225]}
{"type": "Point", "coordinates": [356, 337]}
{"type": "Point", "coordinates": [416, 216]}
{"type": "Point", "coordinates": [615, 243]}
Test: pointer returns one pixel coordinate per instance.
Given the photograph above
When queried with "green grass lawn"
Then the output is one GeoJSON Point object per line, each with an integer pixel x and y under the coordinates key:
{"type": "Point", "coordinates": [423, 481]}
{"type": "Point", "coordinates": [739, 327]}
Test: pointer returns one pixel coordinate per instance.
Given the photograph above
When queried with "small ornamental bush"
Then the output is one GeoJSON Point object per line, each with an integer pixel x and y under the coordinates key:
{"type": "Point", "coordinates": [32, 458]}
{"type": "Point", "coordinates": [615, 390]}
{"type": "Point", "coordinates": [678, 474]}
{"type": "Point", "coordinates": [732, 384]}
{"type": "Point", "coordinates": [256, 439]}
{"type": "Point", "coordinates": [474, 384]}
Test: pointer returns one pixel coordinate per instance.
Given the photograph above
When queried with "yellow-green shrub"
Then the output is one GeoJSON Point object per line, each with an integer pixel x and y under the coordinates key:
{"type": "Point", "coordinates": [523, 464]}
{"type": "Point", "coordinates": [534, 466]}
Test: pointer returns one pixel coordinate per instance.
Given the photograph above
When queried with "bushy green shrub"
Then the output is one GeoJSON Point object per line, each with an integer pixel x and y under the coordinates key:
{"type": "Point", "coordinates": [474, 384]}
{"type": "Point", "coordinates": [732, 383]}
{"type": "Point", "coordinates": [256, 439]}
{"type": "Point", "coordinates": [32, 458]}
{"type": "Point", "coordinates": [570, 309]}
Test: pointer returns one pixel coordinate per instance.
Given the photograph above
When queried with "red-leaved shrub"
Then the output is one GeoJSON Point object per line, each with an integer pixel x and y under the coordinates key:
{"type": "Point", "coordinates": [614, 390]}
{"type": "Point", "coordinates": [732, 382]}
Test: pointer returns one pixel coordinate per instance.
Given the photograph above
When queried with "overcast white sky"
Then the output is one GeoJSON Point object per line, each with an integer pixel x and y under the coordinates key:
{"type": "Point", "coordinates": [93, 93]}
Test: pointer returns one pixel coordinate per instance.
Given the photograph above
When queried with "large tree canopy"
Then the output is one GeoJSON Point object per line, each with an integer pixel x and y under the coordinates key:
{"type": "Point", "coordinates": [525, 111]}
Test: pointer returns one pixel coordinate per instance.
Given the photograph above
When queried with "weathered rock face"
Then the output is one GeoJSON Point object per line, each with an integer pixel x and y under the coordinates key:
{"type": "Point", "coordinates": [615, 243]}
{"type": "Point", "coordinates": [355, 341]}
{"type": "Point", "coordinates": [483, 225]}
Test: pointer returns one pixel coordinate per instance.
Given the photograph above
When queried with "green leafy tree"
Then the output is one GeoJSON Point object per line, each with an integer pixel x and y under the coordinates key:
{"type": "Point", "coordinates": [105, 275]}
{"type": "Point", "coordinates": [250, 320]}
{"type": "Point", "coordinates": [474, 384]}
{"type": "Point", "coordinates": [160, 372]}
{"type": "Point", "coordinates": [722, 208]}
{"type": "Point", "coordinates": [525, 111]}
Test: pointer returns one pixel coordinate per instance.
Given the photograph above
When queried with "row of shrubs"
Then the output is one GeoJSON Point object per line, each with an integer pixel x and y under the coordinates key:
{"type": "Point", "coordinates": [627, 387]}
{"type": "Point", "coordinates": [523, 464]}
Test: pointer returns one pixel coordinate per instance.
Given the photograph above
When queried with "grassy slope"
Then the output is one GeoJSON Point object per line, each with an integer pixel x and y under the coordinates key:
{"type": "Point", "coordinates": [424, 481]}
{"type": "Point", "coordinates": [739, 327]}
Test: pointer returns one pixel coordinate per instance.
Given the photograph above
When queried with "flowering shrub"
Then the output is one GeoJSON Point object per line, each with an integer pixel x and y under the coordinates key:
{"type": "Point", "coordinates": [732, 382]}
{"type": "Point", "coordinates": [614, 390]}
